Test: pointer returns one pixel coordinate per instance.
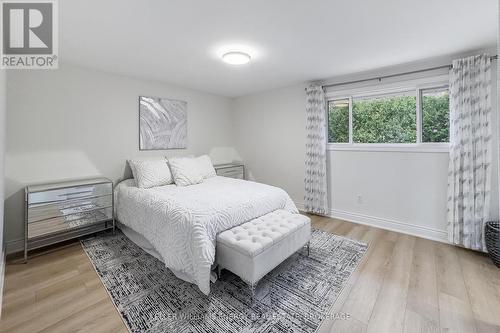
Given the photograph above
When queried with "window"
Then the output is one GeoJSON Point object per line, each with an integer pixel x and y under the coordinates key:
{"type": "Point", "coordinates": [435, 115]}
{"type": "Point", "coordinates": [408, 116]}
{"type": "Point", "coordinates": [338, 121]}
{"type": "Point", "coordinates": [389, 118]}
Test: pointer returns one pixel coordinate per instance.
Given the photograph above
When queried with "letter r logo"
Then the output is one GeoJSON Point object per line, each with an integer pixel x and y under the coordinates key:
{"type": "Point", "coordinates": [27, 28]}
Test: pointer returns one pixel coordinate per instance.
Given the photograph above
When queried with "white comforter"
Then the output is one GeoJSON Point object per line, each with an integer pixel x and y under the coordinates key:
{"type": "Point", "coordinates": [182, 222]}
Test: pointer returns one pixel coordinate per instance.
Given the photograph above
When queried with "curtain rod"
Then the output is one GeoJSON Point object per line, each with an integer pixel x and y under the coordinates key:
{"type": "Point", "coordinates": [394, 75]}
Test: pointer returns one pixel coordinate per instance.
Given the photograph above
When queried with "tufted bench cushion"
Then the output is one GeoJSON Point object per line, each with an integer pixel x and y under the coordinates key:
{"type": "Point", "coordinates": [253, 249]}
{"type": "Point", "coordinates": [253, 237]}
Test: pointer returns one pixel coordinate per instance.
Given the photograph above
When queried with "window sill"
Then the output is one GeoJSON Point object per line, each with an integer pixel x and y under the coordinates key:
{"type": "Point", "coordinates": [403, 148]}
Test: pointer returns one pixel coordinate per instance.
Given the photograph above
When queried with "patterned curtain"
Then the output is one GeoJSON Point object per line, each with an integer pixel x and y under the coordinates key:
{"type": "Point", "coordinates": [315, 199]}
{"type": "Point", "coordinates": [469, 173]}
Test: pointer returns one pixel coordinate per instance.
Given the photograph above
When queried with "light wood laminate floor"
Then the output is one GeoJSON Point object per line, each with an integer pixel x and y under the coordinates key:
{"type": "Point", "coordinates": [404, 284]}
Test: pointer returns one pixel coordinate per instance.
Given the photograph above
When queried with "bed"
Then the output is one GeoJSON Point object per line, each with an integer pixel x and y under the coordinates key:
{"type": "Point", "coordinates": [181, 222]}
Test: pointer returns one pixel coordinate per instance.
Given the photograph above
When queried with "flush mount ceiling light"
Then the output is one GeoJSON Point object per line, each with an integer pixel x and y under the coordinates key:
{"type": "Point", "coordinates": [236, 58]}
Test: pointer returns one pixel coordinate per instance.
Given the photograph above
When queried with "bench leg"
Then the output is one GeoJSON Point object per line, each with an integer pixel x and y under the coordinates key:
{"type": "Point", "coordinates": [219, 271]}
{"type": "Point", "coordinates": [252, 291]}
{"type": "Point", "coordinates": [308, 248]}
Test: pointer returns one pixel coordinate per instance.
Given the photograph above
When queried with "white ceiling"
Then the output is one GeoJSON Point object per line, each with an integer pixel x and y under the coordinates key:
{"type": "Point", "coordinates": [291, 41]}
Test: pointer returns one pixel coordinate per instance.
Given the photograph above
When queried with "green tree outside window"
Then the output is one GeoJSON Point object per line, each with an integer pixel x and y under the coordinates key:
{"type": "Point", "coordinates": [391, 119]}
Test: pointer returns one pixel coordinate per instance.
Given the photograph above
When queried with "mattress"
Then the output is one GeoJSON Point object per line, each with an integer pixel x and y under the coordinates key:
{"type": "Point", "coordinates": [181, 223]}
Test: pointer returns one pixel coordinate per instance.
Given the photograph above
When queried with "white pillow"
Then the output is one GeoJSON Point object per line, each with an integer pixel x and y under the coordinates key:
{"type": "Point", "coordinates": [205, 166]}
{"type": "Point", "coordinates": [186, 171]}
{"type": "Point", "coordinates": [151, 173]}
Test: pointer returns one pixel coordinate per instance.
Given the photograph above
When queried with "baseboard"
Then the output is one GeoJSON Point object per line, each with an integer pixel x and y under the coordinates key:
{"type": "Point", "coordinates": [14, 246]}
{"type": "Point", "coordinates": [300, 206]}
{"type": "Point", "coordinates": [387, 224]}
{"type": "Point", "coordinates": [392, 225]}
{"type": "Point", "coordinates": [2, 276]}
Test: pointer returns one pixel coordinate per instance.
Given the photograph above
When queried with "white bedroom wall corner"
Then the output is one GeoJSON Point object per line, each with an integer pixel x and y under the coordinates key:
{"type": "Point", "coordinates": [270, 136]}
{"type": "Point", "coordinates": [3, 80]}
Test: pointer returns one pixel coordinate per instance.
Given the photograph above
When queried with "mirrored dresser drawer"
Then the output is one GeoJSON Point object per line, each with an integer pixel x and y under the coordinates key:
{"type": "Point", "coordinates": [60, 211]}
{"type": "Point", "coordinates": [231, 170]}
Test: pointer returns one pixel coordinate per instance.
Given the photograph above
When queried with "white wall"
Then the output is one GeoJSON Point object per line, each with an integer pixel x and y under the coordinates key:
{"type": "Point", "coordinates": [2, 147]}
{"type": "Point", "coordinates": [270, 135]}
{"type": "Point", "coordinates": [400, 190]}
{"type": "Point", "coordinates": [75, 122]}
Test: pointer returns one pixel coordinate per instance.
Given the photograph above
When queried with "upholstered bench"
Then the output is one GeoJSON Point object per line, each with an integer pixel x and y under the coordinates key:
{"type": "Point", "coordinates": [253, 249]}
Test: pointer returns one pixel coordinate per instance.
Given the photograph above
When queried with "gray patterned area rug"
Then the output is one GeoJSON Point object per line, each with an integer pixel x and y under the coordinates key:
{"type": "Point", "coordinates": [294, 297]}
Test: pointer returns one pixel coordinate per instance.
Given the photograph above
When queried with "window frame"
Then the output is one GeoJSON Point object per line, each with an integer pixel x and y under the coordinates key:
{"type": "Point", "coordinates": [328, 120]}
{"type": "Point", "coordinates": [373, 90]}
{"type": "Point", "coordinates": [421, 112]}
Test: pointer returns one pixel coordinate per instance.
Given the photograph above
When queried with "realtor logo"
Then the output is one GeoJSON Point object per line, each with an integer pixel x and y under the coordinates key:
{"type": "Point", "coordinates": [29, 34]}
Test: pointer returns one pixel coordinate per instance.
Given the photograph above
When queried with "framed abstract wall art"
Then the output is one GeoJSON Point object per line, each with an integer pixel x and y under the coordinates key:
{"type": "Point", "coordinates": [162, 123]}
